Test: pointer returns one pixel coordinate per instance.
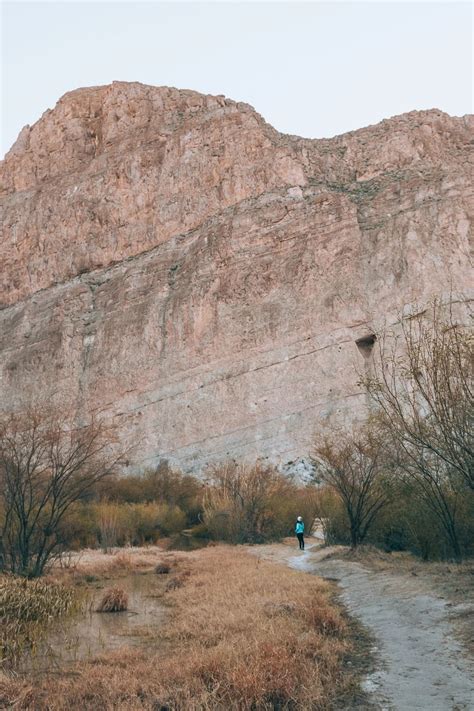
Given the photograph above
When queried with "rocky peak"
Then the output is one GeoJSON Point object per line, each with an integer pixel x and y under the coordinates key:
{"type": "Point", "coordinates": [113, 171]}
{"type": "Point", "coordinates": [173, 262]}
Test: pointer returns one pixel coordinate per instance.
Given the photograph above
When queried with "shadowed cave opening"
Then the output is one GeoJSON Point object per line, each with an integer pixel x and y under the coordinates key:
{"type": "Point", "coordinates": [366, 344]}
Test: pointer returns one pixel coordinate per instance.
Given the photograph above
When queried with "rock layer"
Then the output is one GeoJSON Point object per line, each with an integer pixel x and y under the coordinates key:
{"type": "Point", "coordinates": [173, 262]}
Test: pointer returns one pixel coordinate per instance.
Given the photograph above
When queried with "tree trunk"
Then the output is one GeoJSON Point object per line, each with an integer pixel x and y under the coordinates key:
{"type": "Point", "coordinates": [354, 535]}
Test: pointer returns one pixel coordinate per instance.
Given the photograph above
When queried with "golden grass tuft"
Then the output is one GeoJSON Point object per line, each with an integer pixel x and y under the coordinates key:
{"type": "Point", "coordinates": [242, 634]}
{"type": "Point", "coordinates": [113, 600]}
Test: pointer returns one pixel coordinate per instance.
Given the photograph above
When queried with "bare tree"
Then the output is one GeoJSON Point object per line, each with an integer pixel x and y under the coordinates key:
{"type": "Point", "coordinates": [422, 383]}
{"type": "Point", "coordinates": [236, 504]}
{"type": "Point", "coordinates": [46, 464]}
{"type": "Point", "coordinates": [422, 380]}
{"type": "Point", "coordinates": [352, 465]}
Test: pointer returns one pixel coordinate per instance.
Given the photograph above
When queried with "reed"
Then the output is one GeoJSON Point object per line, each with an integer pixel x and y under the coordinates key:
{"type": "Point", "coordinates": [27, 609]}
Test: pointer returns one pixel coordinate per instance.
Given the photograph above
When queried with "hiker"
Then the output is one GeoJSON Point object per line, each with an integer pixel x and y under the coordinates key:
{"type": "Point", "coordinates": [299, 530]}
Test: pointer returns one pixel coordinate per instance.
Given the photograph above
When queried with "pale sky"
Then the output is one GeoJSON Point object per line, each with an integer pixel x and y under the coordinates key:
{"type": "Point", "coordinates": [315, 69]}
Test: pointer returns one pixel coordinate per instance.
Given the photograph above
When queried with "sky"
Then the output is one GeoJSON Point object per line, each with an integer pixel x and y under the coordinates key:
{"type": "Point", "coordinates": [315, 69]}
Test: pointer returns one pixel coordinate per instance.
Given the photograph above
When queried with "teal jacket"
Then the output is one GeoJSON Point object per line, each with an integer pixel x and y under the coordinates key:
{"type": "Point", "coordinates": [299, 527]}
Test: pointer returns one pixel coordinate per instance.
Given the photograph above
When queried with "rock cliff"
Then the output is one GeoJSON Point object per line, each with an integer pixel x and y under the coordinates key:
{"type": "Point", "coordinates": [173, 262]}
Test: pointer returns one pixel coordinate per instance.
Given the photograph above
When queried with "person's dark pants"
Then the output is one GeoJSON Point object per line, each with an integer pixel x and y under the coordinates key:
{"type": "Point", "coordinates": [300, 537]}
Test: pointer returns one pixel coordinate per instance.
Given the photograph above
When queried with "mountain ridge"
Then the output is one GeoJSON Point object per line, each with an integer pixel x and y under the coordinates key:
{"type": "Point", "coordinates": [201, 279]}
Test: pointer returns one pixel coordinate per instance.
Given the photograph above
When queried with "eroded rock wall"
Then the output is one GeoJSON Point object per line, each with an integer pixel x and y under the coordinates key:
{"type": "Point", "coordinates": [171, 261]}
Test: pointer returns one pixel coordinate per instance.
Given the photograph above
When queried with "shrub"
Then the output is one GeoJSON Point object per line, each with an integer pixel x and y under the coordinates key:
{"type": "Point", "coordinates": [113, 600]}
{"type": "Point", "coordinates": [252, 504]}
{"type": "Point", "coordinates": [174, 488]}
{"type": "Point", "coordinates": [355, 468]}
{"type": "Point", "coordinates": [406, 523]}
{"type": "Point", "coordinates": [108, 523]}
{"type": "Point", "coordinates": [170, 519]}
{"type": "Point", "coordinates": [162, 484]}
{"type": "Point", "coordinates": [139, 523]}
{"type": "Point", "coordinates": [286, 503]}
{"type": "Point", "coordinates": [78, 528]}
{"type": "Point", "coordinates": [333, 518]}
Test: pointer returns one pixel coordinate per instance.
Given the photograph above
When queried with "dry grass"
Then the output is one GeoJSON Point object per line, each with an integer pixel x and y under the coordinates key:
{"type": "Point", "coordinates": [27, 608]}
{"type": "Point", "coordinates": [113, 600]}
{"type": "Point", "coordinates": [119, 561]}
{"type": "Point", "coordinates": [242, 634]}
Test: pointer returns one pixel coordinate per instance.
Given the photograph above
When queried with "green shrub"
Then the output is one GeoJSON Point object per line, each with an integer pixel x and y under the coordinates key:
{"type": "Point", "coordinates": [78, 528]}
{"type": "Point", "coordinates": [170, 519]}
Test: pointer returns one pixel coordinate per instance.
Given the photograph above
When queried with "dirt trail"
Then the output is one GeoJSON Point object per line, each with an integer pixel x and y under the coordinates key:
{"type": "Point", "coordinates": [421, 666]}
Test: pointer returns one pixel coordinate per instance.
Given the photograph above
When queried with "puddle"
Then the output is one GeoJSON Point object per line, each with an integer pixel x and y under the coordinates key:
{"type": "Point", "coordinates": [89, 633]}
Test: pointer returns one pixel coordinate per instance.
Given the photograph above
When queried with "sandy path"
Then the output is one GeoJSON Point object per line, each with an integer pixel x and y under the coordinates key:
{"type": "Point", "coordinates": [421, 667]}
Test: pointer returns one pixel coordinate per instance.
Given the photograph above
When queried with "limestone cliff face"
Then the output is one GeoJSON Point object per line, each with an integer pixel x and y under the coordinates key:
{"type": "Point", "coordinates": [170, 260]}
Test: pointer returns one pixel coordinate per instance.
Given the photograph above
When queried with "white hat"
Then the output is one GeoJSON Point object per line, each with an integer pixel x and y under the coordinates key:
{"type": "Point", "coordinates": [300, 518]}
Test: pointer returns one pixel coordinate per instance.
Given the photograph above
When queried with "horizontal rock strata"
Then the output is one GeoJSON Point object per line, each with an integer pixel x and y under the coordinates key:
{"type": "Point", "coordinates": [171, 261]}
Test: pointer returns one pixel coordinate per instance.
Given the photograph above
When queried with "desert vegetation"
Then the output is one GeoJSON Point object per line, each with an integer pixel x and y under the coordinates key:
{"type": "Point", "coordinates": [253, 504]}
{"type": "Point", "coordinates": [423, 387]}
{"type": "Point", "coordinates": [113, 600]}
{"type": "Point", "coordinates": [354, 467]}
{"type": "Point", "coordinates": [46, 465]}
{"type": "Point", "coordinates": [63, 495]}
{"type": "Point", "coordinates": [261, 637]}
{"type": "Point", "coordinates": [406, 481]}
{"type": "Point", "coordinates": [27, 609]}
